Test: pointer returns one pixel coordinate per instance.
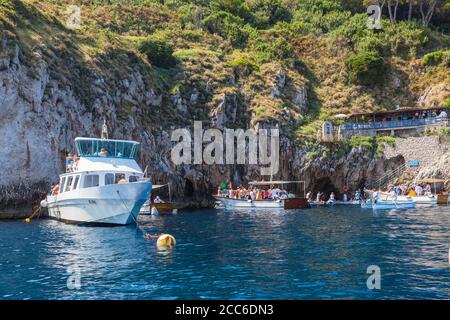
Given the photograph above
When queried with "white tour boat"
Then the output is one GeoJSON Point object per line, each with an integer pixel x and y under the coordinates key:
{"type": "Point", "coordinates": [291, 202]}
{"type": "Point", "coordinates": [428, 199]}
{"type": "Point", "coordinates": [104, 186]}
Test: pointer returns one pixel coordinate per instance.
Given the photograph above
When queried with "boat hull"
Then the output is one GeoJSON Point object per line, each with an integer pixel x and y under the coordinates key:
{"type": "Point", "coordinates": [263, 204]}
{"type": "Point", "coordinates": [421, 200]}
{"type": "Point", "coordinates": [163, 208]}
{"type": "Point", "coordinates": [116, 204]}
{"type": "Point", "coordinates": [290, 203]}
{"type": "Point", "coordinates": [389, 205]}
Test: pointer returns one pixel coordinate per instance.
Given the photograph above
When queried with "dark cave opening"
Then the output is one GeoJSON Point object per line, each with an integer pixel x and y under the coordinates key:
{"type": "Point", "coordinates": [188, 189]}
{"type": "Point", "coordinates": [325, 186]}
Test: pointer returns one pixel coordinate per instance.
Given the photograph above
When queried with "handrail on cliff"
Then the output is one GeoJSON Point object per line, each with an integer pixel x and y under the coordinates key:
{"type": "Point", "coordinates": [386, 178]}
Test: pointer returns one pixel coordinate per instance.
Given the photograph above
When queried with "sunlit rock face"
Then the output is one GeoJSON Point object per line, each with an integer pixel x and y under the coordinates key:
{"type": "Point", "coordinates": [43, 111]}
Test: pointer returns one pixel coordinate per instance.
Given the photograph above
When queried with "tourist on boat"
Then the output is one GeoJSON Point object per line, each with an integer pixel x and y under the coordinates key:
{"type": "Point", "coordinates": [358, 195]}
{"type": "Point", "coordinates": [419, 190]}
{"type": "Point", "coordinates": [428, 189]}
{"type": "Point", "coordinates": [412, 193]}
{"type": "Point", "coordinates": [332, 198]}
{"type": "Point", "coordinates": [393, 194]}
{"type": "Point", "coordinates": [158, 200]}
{"type": "Point", "coordinates": [103, 152]}
{"type": "Point", "coordinates": [309, 196]}
{"type": "Point", "coordinates": [55, 190]}
{"type": "Point", "coordinates": [319, 196]}
{"type": "Point", "coordinates": [376, 196]}
{"type": "Point", "coordinates": [69, 162]}
{"type": "Point", "coordinates": [122, 179]}
{"type": "Point", "coordinates": [219, 191]}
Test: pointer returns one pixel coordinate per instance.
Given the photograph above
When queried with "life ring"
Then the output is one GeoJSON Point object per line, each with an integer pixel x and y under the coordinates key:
{"type": "Point", "coordinates": [165, 241]}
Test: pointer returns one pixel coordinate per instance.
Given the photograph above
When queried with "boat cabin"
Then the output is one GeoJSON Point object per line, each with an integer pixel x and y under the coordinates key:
{"type": "Point", "coordinates": [101, 162]}
{"type": "Point", "coordinates": [91, 147]}
{"type": "Point", "coordinates": [82, 180]}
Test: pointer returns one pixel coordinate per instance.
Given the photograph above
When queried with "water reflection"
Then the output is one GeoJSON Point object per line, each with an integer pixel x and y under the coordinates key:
{"type": "Point", "coordinates": [317, 253]}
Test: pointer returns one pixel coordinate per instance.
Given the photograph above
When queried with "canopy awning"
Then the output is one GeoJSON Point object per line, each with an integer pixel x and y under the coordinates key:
{"type": "Point", "coordinates": [340, 116]}
{"type": "Point", "coordinates": [157, 186]}
{"type": "Point", "coordinates": [265, 183]}
{"type": "Point", "coordinates": [432, 180]}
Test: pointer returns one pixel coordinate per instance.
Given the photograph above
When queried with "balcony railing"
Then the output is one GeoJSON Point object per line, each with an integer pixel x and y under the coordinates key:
{"type": "Point", "coordinates": [394, 124]}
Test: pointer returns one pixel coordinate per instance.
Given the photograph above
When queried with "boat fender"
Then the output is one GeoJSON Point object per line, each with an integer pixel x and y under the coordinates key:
{"type": "Point", "coordinates": [165, 241]}
{"type": "Point", "coordinates": [44, 203]}
{"type": "Point", "coordinates": [249, 201]}
{"type": "Point", "coordinates": [154, 211]}
{"type": "Point", "coordinates": [278, 201]}
{"type": "Point", "coordinates": [27, 220]}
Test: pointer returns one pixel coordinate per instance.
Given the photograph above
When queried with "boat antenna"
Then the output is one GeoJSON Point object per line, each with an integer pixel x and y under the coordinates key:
{"type": "Point", "coordinates": [104, 130]}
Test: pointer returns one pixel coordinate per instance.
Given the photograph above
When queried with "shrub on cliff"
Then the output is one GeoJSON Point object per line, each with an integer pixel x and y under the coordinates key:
{"type": "Point", "coordinates": [158, 52]}
{"type": "Point", "coordinates": [365, 67]}
{"type": "Point", "coordinates": [228, 26]}
{"type": "Point", "coordinates": [266, 13]}
{"type": "Point", "coordinates": [436, 57]}
{"type": "Point", "coordinates": [243, 66]}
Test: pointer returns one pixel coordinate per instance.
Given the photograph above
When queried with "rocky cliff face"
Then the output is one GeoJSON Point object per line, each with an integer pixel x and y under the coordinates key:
{"type": "Point", "coordinates": [41, 114]}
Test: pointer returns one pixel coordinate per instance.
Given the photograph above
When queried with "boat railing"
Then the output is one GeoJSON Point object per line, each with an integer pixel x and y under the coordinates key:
{"type": "Point", "coordinates": [395, 124]}
{"type": "Point", "coordinates": [71, 163]}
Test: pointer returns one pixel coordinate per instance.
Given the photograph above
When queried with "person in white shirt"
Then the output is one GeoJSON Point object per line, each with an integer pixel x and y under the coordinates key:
{"type": "Point", "coordinates": [158, 200]}
{"type": "Point", "coordinates": [419, 190]}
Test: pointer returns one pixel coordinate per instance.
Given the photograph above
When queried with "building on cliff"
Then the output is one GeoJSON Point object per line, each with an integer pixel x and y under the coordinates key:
{"type": "Point", "coordinates": [404, 122]}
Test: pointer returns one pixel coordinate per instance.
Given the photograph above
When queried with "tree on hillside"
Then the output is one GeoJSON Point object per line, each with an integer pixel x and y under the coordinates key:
{"type": "Point", "coordinates": [392, 9]}
{"type": "Point", "coordinates": [427, 9]}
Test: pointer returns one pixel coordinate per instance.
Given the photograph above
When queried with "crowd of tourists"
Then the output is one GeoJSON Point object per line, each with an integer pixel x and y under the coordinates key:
{"type": "Point", "coordinates": [241, 193]}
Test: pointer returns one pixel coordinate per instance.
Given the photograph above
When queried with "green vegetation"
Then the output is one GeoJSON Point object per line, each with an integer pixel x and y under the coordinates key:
{"type": "Point", "coordinates": [437, 57]}
{"type": "Point", "coordinates": [323, 50]}
{"type": "Point", "coordinates": [159, 52]}
{"type": "Point", "coordinates": [366, 67]}
{"type": "Point", "coordinates": [375, 145]}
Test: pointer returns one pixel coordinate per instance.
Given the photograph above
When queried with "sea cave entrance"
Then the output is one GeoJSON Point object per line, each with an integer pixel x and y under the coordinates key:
{"type": "Point", "coordinates": [326, 186]}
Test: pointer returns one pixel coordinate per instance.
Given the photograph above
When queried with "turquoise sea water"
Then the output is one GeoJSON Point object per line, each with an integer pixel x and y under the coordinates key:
{"type": "Point", "coordinates": [320, 253]}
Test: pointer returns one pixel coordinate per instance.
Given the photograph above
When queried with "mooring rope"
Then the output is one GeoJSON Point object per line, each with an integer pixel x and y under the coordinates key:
{"type": "Point", "coordinates": [123, 202]}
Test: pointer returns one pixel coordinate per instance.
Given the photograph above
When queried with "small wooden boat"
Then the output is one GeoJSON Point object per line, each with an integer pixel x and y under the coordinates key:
{"type": "Point", "coordinates": [443, 199]}
{"type": "Point", "coordinates": [387, 205]}
{"type": "Point", "coordinates": [161, 207]}
{"type": "Point", "coordinates": [285, 204]}
{"type": "Point", "coordinates": [352, 202]}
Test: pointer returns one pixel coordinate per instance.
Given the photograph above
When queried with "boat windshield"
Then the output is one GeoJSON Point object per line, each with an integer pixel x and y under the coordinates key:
{"type": "Point", "coordinates": [107, 148]}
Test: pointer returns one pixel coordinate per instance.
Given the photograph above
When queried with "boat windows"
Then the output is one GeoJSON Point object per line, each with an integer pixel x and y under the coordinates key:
{"type": "Point", "coordinates": [118, 177]}
{"type": "Point", "coordinates": [109, 178]}
{"type": "Point", "coordinates": [69, 183]}
{"type": "Point", "coordinates": [132, 179]}
{"type": "Point", "coordinates": [75, 184]}
{"type": "Point", "coordinates": [62, 184]}
{"type": "Point", "coordinates": [91, 180]}
{"type": "Point", "coordinates": [107, 148]}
